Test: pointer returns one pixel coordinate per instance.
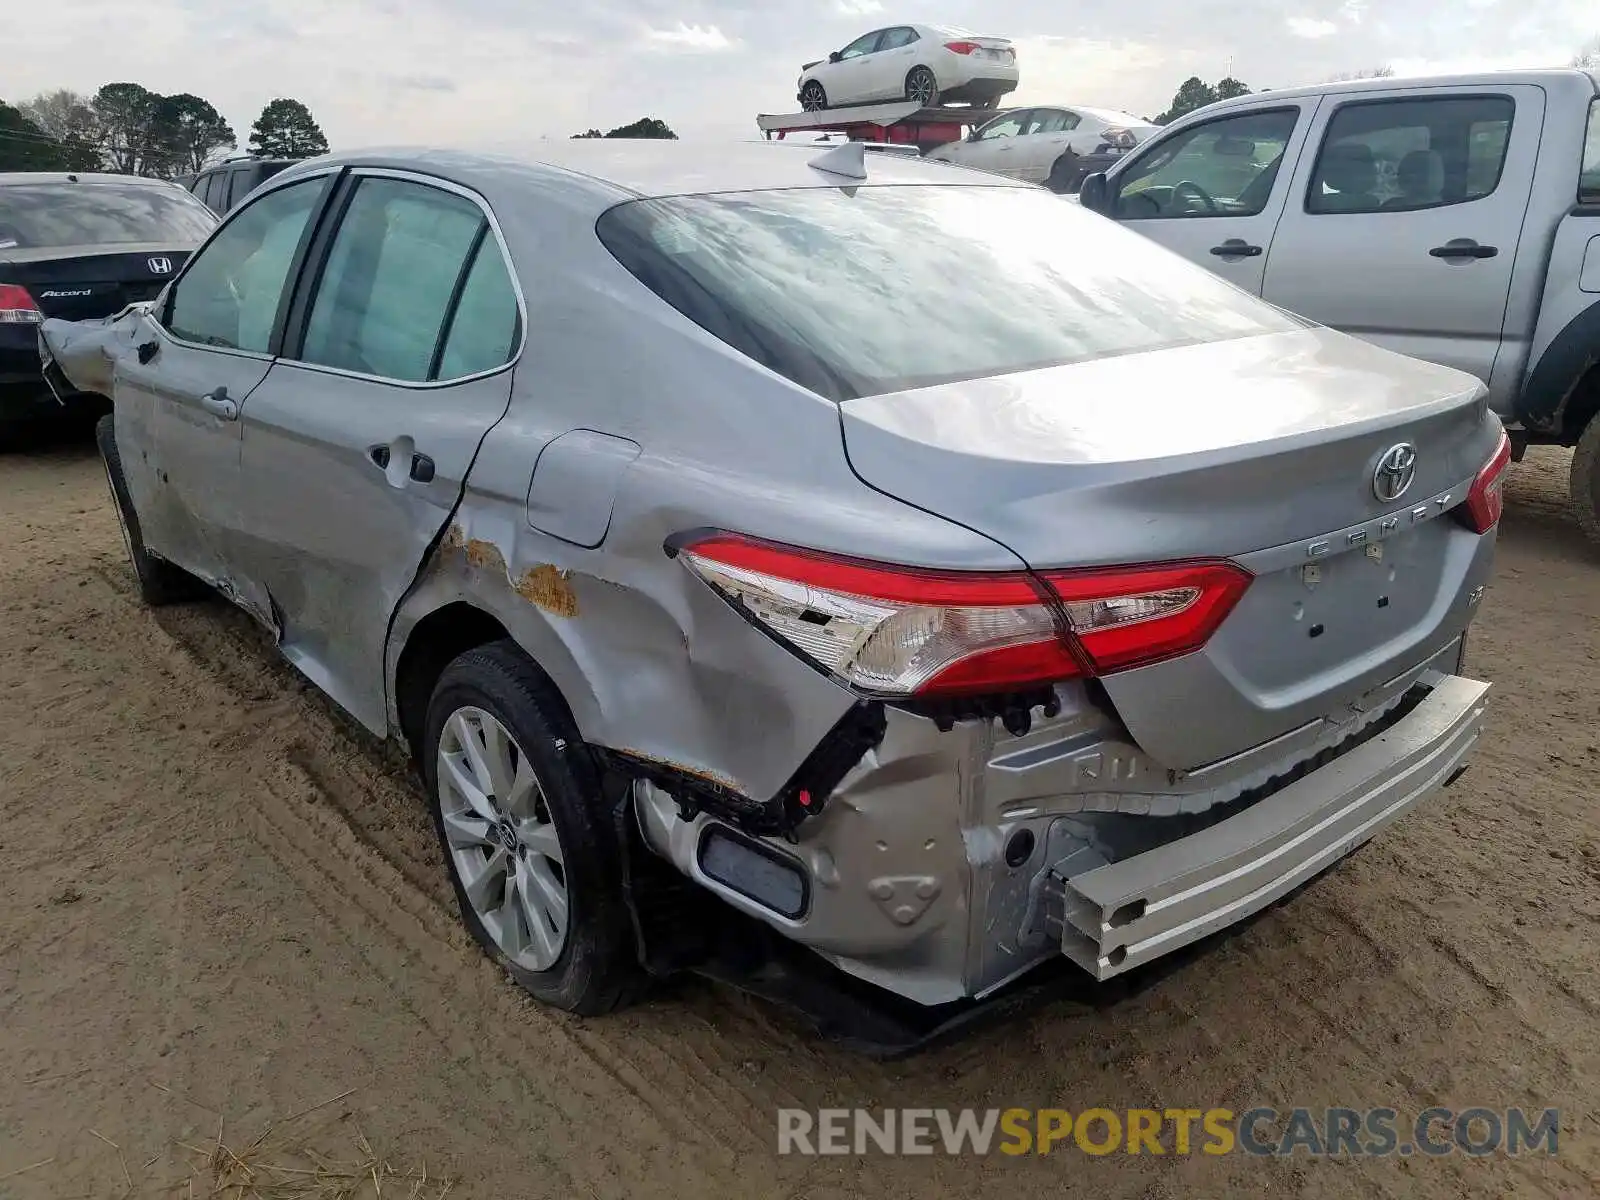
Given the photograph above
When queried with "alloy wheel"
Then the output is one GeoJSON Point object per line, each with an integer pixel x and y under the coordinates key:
{"type": "Point", "coordinates": [503, 843]}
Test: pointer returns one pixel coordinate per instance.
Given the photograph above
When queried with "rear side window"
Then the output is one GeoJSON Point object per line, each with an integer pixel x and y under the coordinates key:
{"type": "Point", "coordinates": [49, 215]}
{"type": "Point", "coordinates": [486, 323]}
{"type": "Point", "coordinates": [1589, 178]}
{"type": "Point", "coordinates": [229, 294]}
{"type": "Point", "coordinates": [390, 279]}
{"type": "Point", "coordinates": [1405, 155]}
{"type": "Point", "coordinates": [855, 292]}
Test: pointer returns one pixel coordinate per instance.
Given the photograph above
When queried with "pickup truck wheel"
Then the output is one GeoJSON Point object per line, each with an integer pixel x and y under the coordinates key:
{"type": "Point", "coordinates": [530, 850]}
{"type": "Point", "coordinates": [160, 582]}
{"type": "Point", "coordinates": [1584, 483]}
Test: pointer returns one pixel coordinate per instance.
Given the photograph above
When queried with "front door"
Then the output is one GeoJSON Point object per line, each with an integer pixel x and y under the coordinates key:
{"type": "Point", "coordinates": [1403, 226]}
{"type": "Point", "coordinates": [1213, 191]}
{"type": "Point", "coordinates": [1045, 138]}
{"type": "Point", "coordinates": [994, 146]}
{"type": "Point", "coordinates": [206, 351]}
{"type": "Point", "coordinates": [356, 447]}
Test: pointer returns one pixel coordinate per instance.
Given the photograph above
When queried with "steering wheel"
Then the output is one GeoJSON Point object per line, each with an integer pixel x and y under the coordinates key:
{"type": "Point", "coordinates": [1190, 187]}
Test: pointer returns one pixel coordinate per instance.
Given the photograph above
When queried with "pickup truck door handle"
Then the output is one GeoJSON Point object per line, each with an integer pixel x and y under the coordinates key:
{"type": "Point", "coordinates": [1463, 248]}
{"type": "Point", "coordinates": [1236, 248]}
{"type": "Point", "coordinates": [218, 404]}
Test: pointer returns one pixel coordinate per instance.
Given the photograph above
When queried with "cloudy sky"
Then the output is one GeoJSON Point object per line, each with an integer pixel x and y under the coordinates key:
{"type": "Point", "coordinates": [489, 71]}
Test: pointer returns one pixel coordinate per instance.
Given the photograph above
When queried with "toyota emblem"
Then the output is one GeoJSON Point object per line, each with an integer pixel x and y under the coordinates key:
{"type": "Point", "coordinates": [1394, 473]}
{"type": "Point", "coordinates": [159, 266]}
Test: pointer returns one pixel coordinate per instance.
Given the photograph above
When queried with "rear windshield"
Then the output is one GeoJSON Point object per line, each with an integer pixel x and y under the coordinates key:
{"type": "Point", "coordinates": [45, 215]}
{"type": "Point", "coordinates": [856, 292]}
{"type": "Point", "coordinates": [1589, 179]}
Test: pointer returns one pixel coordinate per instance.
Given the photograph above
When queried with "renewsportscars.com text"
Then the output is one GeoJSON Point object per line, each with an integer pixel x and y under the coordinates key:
{"type": "Point", "coordinates": [1266, 1132]}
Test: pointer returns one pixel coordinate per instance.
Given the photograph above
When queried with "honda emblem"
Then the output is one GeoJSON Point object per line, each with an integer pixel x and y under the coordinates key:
{"type": "Point", "coordinates": [159, 266]}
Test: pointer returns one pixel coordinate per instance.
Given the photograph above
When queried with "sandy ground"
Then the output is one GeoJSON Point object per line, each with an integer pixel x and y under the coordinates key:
{"type": "Point", "coordinates": [220, 905]}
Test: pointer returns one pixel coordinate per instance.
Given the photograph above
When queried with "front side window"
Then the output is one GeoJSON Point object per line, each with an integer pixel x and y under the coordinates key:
{"type": "Point", "coordinates": [1223, 168]}
{"type": "Point", "coordinates": [847, 291]}
{"type": "Point", "coordinates": [228, 297]}
{"type": "Point", "coordinates": [1003, 128]}
{"type": "Point", "coordinates": [1589, 176]}
{"type": "Point", "coordinates": [391, 274]}
{"type": "Point", "coordinates": [862, 45]}
{"type": "Point", "coordinates": [1405, 155]}
{"type": "Point", "coordinates": [48, 215]}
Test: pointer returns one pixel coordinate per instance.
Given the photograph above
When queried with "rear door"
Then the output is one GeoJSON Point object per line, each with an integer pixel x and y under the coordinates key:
{"type": "Point", "coordinates": [1404, 222]}
{"type": "Point", "coordinates": [1213, 191]}
{"type": "Point", "coordinates": [896, 55]}
{"type": "Point", "coordinates": [1044, 139]}
{"type": "Point", "coordinates": [211, 346]}
{"type": "Point", "coordinates": [395, 366]}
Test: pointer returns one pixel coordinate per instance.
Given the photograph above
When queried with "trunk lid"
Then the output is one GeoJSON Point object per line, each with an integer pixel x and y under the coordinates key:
{"type": "Point", "coordinates": [1262, 450]}
{"type": "Point", "coordinates": [79, 283]}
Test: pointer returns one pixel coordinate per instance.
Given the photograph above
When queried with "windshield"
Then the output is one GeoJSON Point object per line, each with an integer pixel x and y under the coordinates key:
{"type": "Point", "coordinates": [47, 215]}
{"type": "Point", "coordinates": [858, 291]}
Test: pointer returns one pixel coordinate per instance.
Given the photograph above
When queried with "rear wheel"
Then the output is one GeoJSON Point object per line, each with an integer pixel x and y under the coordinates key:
{"type": "Point", "coordinates": [922, 87]}
{"type": "Point", "coordinates": [1584, 482]}
{"type": "Point", "coordinates": [159, 581]}
{"type": "Point", "coordinates": [1063, 174]}
{"type": "Point", "coordinates": [813, 98]}
{"type": "Point", "coordinates": [530, 849]}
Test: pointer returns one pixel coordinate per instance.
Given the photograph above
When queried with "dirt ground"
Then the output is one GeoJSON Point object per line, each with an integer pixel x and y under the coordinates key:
{"type": "Point", "coordinates": [220, 906]}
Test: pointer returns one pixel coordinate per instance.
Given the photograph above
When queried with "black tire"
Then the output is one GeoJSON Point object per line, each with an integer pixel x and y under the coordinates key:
{"type": "Point", "coordinates": [1583, 485]}
{"type": "Point", "coordinates": [597, 969]}
{"type": "Point", "coordinates": [1063, 174]}
{"type": "Point", "coordinates": [988, 102]}
{"type": "Point", "coordinates": [813, 97]}
{"type": "Point", "coordinates": [922, 86]}
{"type": "Point", "coordinates": [160, 582]}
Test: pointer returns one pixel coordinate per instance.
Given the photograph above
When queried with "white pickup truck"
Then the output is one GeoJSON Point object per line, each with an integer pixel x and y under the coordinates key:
{"type": "Point", "coordinates": [1455, 219]}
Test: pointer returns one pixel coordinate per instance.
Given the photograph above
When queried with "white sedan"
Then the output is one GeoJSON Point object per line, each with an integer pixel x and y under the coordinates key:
{"type": "Point", "coordinates": [1041, 145]}
{"type": "Point", "coordinates": [931, 64]}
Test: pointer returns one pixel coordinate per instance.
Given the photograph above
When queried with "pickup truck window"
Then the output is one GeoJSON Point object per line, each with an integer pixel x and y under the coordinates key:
{"type": "Point", "coordinates": [1222, 168]}
{"type": "Point", "coordinates": [1589, 177]}
{"type": "Point", "coordinates": [1409, 154]}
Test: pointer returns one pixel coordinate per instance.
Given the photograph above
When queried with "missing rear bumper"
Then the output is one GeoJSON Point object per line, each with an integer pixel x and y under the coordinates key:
{"type": "Point", "coordinates": [1113, 918]}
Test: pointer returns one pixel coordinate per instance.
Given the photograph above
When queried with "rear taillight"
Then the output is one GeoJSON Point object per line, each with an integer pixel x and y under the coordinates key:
{"type": "Point", "coordinates": [962, 47]}
{"type": "Point", "coordinates": [1121, 139]}
{"type": "Point", "coordinates": [1486, 501]}
{"type": "Point", "coordinates": [17, 307]}
{"type": "Point", "coordinates": [906, 631]}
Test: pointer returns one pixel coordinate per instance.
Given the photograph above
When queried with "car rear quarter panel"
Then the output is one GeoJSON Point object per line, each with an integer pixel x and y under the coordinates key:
{"type": "Point", "coordinates": [649, 659]}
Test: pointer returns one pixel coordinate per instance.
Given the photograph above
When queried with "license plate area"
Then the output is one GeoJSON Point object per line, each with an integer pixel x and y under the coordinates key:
{"type": "Point", "coordinates": [1334, 611]}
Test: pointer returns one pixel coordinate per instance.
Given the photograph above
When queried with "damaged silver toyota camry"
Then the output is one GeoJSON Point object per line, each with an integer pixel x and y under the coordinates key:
{"type": "Point", "coordinates": [857, 549]}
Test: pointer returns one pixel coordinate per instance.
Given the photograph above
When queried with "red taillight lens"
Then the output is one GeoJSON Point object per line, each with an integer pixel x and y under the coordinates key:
{"type": "Point", "coordinates": [904, 631]}
{"type": "Point", "coordinates": [17, 307]}
{"type": "Point", "coordinates": [1486, 501]}
{"type": "Point", "coordinates": [962, 47]}
{"type": "Point", "coordinates": [1122, 139]}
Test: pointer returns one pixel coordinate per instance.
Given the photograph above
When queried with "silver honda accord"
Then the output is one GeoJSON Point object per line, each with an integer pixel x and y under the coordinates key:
{"type": "Point", "coordinates": [887, 555]}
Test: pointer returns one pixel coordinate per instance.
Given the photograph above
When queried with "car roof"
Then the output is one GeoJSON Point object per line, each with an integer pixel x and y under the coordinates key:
{"type": "Point", "coordinates": [1560, 76]}
{"type": "Point", "coordinates": [610, 170]}
{"type": "Point", "coordinates": [73, 178]}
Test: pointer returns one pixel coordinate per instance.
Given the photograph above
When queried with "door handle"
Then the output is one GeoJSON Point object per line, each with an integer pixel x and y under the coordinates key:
{"type": "Point", "coordinates": [421, 468]}
{"type": "Point", "coordinates": [1463, 248]}
{"type": "Point", "coordinates": [1236, 248]}
{"type": "Point", "coordinates": [218, 404]}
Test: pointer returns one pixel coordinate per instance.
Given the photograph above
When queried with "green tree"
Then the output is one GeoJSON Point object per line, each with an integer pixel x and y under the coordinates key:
{"type": "Point", "coordinates": [1195, 93]}
{"type": "Point", "coordinates": [68, 118]}
{"type": "Point", "coordinates": [285, 129]}
{"type": "Point", "coordinates": [25, 146]}
{"type": "Point", "coordinates": [130, 137]}
{"type": "Point", "coordinates": [644, 127]}
{"type": "Point", "coordinates": [192, 131]}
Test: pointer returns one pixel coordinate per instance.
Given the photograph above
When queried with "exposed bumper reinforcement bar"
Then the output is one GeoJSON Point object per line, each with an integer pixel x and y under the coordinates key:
{"type": "Point", "coordinates": [1143, 907]}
